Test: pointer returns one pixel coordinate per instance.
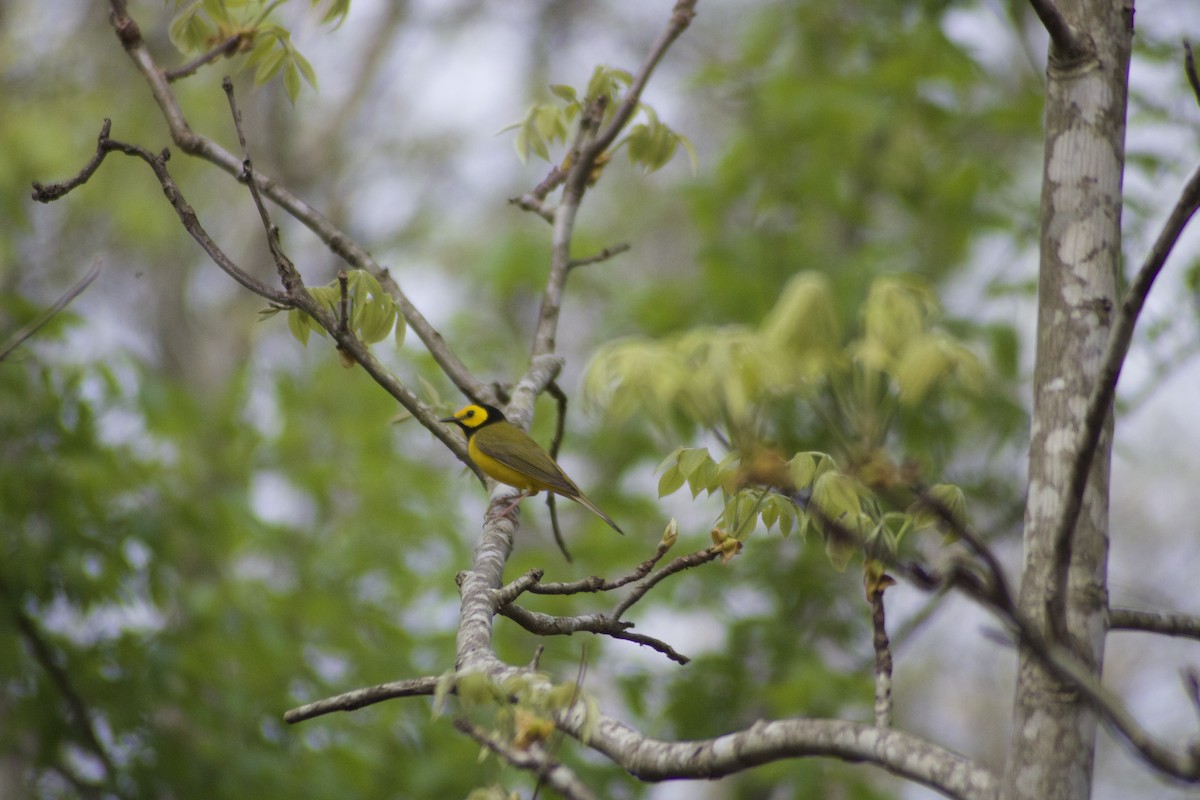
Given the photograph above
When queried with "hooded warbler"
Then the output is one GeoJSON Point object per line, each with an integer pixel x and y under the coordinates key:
{"type": "Point", "coordinates": [509, 455]}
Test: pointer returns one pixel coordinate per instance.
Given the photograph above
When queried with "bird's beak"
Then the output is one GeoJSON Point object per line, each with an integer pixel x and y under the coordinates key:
{"type": "Point", "coordinates": [448, 419]}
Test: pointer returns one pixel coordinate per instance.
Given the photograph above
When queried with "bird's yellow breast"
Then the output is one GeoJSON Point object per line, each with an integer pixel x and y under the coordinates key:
{"type": "Point", "coordinates": [502, 472]}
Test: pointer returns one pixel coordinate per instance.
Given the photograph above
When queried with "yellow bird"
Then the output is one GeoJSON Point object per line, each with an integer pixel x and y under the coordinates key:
{"type": "Point", "coordinates": [507, 454]}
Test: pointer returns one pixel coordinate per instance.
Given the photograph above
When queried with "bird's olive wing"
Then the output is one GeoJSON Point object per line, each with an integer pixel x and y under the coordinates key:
{"type": "Point", "coordinates": [527, 457]}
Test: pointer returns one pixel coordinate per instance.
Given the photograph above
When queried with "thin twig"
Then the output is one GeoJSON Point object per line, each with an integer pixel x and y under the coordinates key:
{"type": "Point", "coordinates": [598, 584]}
{"type": "Point", "coordinates": [677, 565]}
{"type": "Point", "coordinates": [1189, 67]}
{"type": "Point", "coordinates": [560, 430]}
{"type": "Point", "coordinates": [342, 245]}
{"type": "Point", "coordinates": [1064, 39]}
{"type": "Point", "coordinates": [883, 653]}
{"type": "Point", "coordinates": [47, 194]}
{"type": "Point", "coordinates": [60, 678]}
{"type": "Point", "coordinates": [225, 48]}
{"type": "Point", "coordinates": [37, 323]}
{"type": "Point", "coordinates": [1101, 400]}
{"type": "Point", "coordinates": [1185, 626]}
{"type": "Point", "coordinates": [600, 624]}
{"type": "Point", "coordinates": [360, 698]}
{"type": "Point", "coordinates": [592, 139]}
{"type": "Point", "coordinates": [603, 255]}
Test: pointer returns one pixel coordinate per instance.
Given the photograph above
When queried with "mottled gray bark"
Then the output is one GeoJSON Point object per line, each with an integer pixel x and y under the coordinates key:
{"type": "Point", "coordinates": [1053, 730]}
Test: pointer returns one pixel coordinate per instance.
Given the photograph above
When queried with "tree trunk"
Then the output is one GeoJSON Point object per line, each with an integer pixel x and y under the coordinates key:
{"type": "Point", "coordinates": [1086, 87]}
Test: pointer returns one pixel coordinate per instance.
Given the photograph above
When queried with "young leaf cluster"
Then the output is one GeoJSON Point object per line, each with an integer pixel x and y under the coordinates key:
{"type": "Point", "coordinates": [202, 25]}
{"type": "Point", "coordinates": [651, 143]}
{"type": "Point", "coordinates": [372, 313]}
{"type": "Point", "coordinates": [739, 382]}
{"type": "Point", "coordinates": [524, 708]}
{"type": "Point", "coordinates": [809, 489]}
{"type": "Point", "coordinates": [731, 379]}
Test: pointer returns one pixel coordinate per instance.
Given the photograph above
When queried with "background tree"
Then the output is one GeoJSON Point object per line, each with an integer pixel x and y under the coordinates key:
{"type": "Point", "coordinates": [204, 502]}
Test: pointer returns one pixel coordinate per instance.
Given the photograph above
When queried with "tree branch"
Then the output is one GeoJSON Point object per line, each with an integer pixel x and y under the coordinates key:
{"type": "Point", "coordinates": [883, 652]}
{"type": "Point", "coordinates": [225, 48]}
{"type": "Point", "coordinates": [1064, 39]}
{"type": "Point", "coordinates": [360, 698]}
{"type": "Point", "coordinates": [590, 143]}
{"type": "Point", "coordinates": [1189, 68]}
{"type": "Point", "coordinates": [1129, 619]}
{"type": "Point", "coordinates": [1100, 404]}
{"type": "Point", "coordinates": [294, 296]}
{"type": "Point", "coordinates": [898, 752]}
{"type": "Point", "coordinates": [336, 240]}
{"type": "Point", "coordinates": [37, 323]}
{"type": "Point", "coordinates": [79, 717]}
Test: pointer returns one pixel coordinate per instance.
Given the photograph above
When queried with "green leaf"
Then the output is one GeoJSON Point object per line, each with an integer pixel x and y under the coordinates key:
{"type": "Point", "coordinates": [670, 481]}
{"type": "Point", "coordinates": [270, 66]}
{"type": "Point", "coordinates": [189, 31]}
{"type": "Point", "coordinates": [299, 323]}
{"type": "Point", "coordinates": [564, 92]}
{"type": "Point", "coordinates": [291, 79]}
{"type": "Point", "coordinates": [836, 495]}
{"type": "Point", "coordinates": [692, 459]}
{"type": "Point", "coordinates": [802, 469]}
{"type": "Point", "coordinates": [401, 329]}
{"type": "Point", "coordinates": [690, 149]}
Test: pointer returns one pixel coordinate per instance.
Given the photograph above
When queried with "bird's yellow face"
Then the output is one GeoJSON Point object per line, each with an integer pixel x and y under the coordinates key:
{"type": "Point", "coordinates": [473, 417]}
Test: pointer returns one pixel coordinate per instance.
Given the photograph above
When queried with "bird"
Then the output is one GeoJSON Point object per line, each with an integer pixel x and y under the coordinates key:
{"type": "Point", "coordinates": [509, 455]}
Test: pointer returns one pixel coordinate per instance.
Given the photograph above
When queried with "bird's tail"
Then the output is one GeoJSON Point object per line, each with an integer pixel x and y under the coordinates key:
{"type": "Point", "coordinates": [592, 507]}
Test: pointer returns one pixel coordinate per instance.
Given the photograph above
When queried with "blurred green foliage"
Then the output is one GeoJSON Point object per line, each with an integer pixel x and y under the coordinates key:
{"type": "Point", "coordinates": [201, 548]}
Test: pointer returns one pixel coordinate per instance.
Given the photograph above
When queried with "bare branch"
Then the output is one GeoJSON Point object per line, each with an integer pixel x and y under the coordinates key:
{"type": "Point", "coordinates": [883, 652]}
{"type": "Point", "coordinates": [1100, 403]}
{"type": "Point", "coordinates": [1064, 39]}
{"type": "Point", "coordinates": [79, 716]}
{"type": "Point", "coordinates": [360, 698]}
{"type": "Point", "coordinates": [598, 584]}
{"type": "Point", "coordinates": [292, 297]}
{"type": "Point", "coordinates": [225, 48]}
{"type": "Point", "coordinates": [334, 238]}
{"type": "Point", "coordinates": [898, 752]}
{"type": "Point", "coordinates": [191, 223]}
{"type": "Point", "coordinates": [590, 142]}
{"type": "Point", "coordinates": [603, 255]}
{"type": "Point", "coordinates": [1189, 67]}
{"type": "Point", "coordinates": [37, 323]}
{"type": "Point", "coordinates": [560, 431]}
{"type": "Point", "coordinates": [677, 565]}
{"type": "Point", "coordinates": [47, 194]}
{"type": "Point", "coordinates": [532, 758]}
{"type": "Point", "coordinates": [1127, 619]}
{"type": "Point", "coordinates": [600, 624]}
